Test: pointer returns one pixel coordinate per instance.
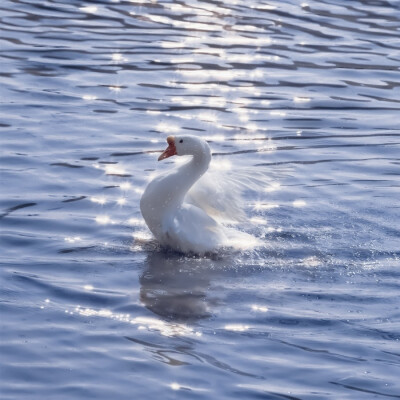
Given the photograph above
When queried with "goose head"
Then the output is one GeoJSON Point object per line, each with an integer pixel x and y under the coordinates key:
{"type": "Point", "coordinates": [184, 146]}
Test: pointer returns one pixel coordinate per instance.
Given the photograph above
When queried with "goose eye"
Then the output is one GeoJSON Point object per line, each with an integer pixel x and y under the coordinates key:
{"type": "Point", "coordinates": [181, 141]}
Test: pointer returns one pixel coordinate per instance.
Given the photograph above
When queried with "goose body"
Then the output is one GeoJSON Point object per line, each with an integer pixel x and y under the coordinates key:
{"type": "Point", "coordinates": [174, 221]}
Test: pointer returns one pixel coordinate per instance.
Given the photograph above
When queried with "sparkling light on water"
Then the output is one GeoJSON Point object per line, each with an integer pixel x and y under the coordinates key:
{"type": "Point", "coordinates": [258, 221]}
{"type": "Point", "coordinates": [175, 386]}
{"type": "Point", "coordinates": [236, 327]}
{"type": "Point", "coordinates": [148, 323]}
{"type": "Point", "coordinates": [89, 97]}
{"type": "Point", "coordinates": [73, 239]}
{"type": "Point", "coordinates": [299, 203]}
{"type": "Point", "coordinates": [167, 127]}
{"type": "Point", "coordinates": [98, 199]}
{"type": "Point", "coordinates": [301, 99]}
{"type": "Point", "coordinates": [125, 186]}
{"type": "Point", "coordinates": [274, 186]}
{"type": "Point", "coordinates": [142, 236]}
{"type": "Point", "coordinates": [114, 169]}
{"type": "Point", "coordinates": [89, 9]}
{"type": "Point", "coordinates": [256, 307]}
{"type": "Point", "coordinates": [264, 206]}
{"type": "Point", "coordinates": [103, 220]}
{"type": "Point", "coordinates": [136, 221]}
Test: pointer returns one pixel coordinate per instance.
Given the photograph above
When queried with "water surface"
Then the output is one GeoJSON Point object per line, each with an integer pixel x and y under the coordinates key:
{"type": "Point", "coordinates": [305, 95]}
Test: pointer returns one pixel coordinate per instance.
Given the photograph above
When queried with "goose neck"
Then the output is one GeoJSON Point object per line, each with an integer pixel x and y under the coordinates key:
{"type": "Point", "coordinates": [200, 162]}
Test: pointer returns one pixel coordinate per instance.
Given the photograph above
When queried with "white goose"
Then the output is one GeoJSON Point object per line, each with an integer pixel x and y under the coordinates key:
{"type": "Point", "coordinates": [165, 206]}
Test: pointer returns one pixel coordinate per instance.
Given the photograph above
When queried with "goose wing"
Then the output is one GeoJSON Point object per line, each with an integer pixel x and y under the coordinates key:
{"type": "Point", "coordinates": [190, 229]}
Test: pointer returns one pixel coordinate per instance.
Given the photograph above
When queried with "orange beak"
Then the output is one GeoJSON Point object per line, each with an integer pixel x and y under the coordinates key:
{"type": "Point", "coordinates": [170, 150]}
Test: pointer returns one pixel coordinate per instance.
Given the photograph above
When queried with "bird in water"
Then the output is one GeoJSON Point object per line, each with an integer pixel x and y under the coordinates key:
{"type": "Point", "coordinates": [183, 207]}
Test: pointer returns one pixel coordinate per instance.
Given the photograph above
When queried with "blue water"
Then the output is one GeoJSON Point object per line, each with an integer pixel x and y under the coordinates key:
{"type": "Point", "coordinates": [304, 95]}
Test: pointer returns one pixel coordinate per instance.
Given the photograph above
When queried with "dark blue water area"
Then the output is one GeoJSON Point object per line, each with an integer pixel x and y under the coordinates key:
{"type": "Point", "coordinates": [303, 97]}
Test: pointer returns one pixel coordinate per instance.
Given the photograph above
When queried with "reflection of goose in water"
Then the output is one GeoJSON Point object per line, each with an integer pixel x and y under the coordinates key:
{"type": "Point", "coordinates": [174, 287]}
